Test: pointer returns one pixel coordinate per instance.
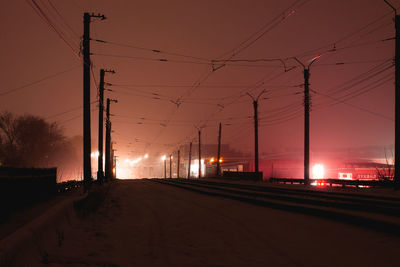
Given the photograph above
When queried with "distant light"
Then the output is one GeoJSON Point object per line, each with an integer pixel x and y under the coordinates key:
{"type": "Point", "coordinates": [221, 160]}
{"type": "Point", "coordinates": [212, 160]}
{"type": "Point", "coordinates": [318, 171]}
{"type": "Point", "coordinates": [146, 156]}
{"type": "Point", "coordinates": [164, 157]}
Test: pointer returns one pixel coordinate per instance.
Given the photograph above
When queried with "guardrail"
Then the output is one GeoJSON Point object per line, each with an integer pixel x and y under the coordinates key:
{"type": "Point", "coordinates": [332, 182]}
{"type": "Point", "coordinates": [253, 176]}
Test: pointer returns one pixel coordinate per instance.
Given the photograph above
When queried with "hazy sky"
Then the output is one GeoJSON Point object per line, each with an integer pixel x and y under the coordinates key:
{"type": "Point", "coordinates": [353, 101]}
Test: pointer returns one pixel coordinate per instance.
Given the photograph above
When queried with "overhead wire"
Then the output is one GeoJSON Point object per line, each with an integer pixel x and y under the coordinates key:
{"type": "Point", "coordinates": [37, 81]}
{"type": "Point", "coordinates": [36, 7]}
{"type": "Point", "coordinates": [156, 51]}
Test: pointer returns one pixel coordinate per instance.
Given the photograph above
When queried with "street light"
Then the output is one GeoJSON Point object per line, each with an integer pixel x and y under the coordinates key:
{"type": "Point", "coordinates": [255, 105]}
{"type": "Point", "coordinates": [307, 118]}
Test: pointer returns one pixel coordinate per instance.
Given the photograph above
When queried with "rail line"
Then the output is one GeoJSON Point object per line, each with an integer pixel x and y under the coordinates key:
{"type": "Point", "coordinates": [379, 213]}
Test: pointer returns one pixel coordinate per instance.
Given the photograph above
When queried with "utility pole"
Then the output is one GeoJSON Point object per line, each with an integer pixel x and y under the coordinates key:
{"type": "Point", "coordinates": [170, 166]}
{"type": "Point", "coordinates": [397, 100]}
{"type": "Point", "coordinates": [87, 168]}
{"type": "Point", "coordinates": [199, 153]}
{"type": "Point", "coordinates": [113, 162]}
{"type": "Point", "coordinates": [179, 162]}
{"type": "Point", "coordinates": [108, 163]}
{"type": "Point", "coordinates": [100, 173]}
{"type": "Point", "coordinates": [190, 159]}
{"type": "Point", "coordinates": [219, 151]}
{"type": "Point", "coordinates": [255, 107]}
{"type": "Point", "coordinates": [165, 167]}
{"type": "Point", "coordinates": [307, 118]}
{"type": "Point", "coordinates": [87, 147]}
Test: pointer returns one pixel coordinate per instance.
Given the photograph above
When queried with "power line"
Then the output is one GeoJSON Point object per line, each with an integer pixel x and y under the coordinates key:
{"type": "Point", "coordinates": [67, 111]}
{"type": "Point", "coordinates": [37, 81]}
{"type": "Point", "coordinates": [356, 107]}
{"type": "Point", "coordinates": [156, 51]}
{"type": "Point", "coordinates": [47, 19]}
{"type": "Point", "coordinates": [286, 13]}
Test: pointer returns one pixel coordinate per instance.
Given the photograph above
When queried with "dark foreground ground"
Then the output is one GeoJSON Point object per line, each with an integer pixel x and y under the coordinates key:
{"type": "Point", "coordinates": [145, 223]}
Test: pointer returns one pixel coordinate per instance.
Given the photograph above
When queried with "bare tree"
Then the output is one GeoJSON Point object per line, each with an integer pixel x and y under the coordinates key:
{"type": "Point", "coordinates": [386, 173]}
{"type": "Point", "coordinates": [29, 141]}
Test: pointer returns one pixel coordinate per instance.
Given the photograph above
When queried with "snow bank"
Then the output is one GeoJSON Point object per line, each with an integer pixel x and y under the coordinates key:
{"type": "Point", "coordinates": [27, 243]}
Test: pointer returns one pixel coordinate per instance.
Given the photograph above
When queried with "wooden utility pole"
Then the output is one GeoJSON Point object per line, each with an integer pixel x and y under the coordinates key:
{"type": "Point", "coordinates": [165, 167]}
{"type": "Point", "coordinates": [113, 161]}
{"type": "Point", "coordinates": [190, 159]}
{"type": "Point", "coordinates": [179, 162]}
{"type": "Point", "coordinates": [170, 165]}
{"type": "Point", "coordinates": [87, 168]}
{"type": "Point", "coordinates": [108, 163]}
{"type": "Point", "coordinates": [199, 153]}
{"type": "Point", "coordinates": [219, 152]}
{"type": "Point", "coordinates": [100, 173]}
{"type": "Point", "coordinates": [87, 146]}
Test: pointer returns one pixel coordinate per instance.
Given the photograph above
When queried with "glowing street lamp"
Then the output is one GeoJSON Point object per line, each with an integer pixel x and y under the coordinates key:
{"type": "Point", "coordinates": [318, 171]}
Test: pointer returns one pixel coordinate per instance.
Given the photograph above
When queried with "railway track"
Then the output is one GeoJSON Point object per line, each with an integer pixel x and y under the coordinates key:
{"type": "Point", "coordinates": [379, 213]}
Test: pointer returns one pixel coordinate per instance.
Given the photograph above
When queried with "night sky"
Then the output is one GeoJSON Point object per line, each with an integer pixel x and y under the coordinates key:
{"type": "Point", "coordinates": [162, 102]}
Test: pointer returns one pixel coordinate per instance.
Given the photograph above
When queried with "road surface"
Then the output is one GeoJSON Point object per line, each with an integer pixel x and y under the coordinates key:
{"type": "Point", "coordinates": [146, 223]}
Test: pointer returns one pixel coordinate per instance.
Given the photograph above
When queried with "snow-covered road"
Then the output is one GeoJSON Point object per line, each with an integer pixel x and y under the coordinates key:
{"type": "Point", "coordinates": [144, 223]}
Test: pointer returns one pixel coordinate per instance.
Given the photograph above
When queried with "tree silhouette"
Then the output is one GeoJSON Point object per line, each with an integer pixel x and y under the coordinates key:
{"type": "Point", "coordinates": [29, 141]}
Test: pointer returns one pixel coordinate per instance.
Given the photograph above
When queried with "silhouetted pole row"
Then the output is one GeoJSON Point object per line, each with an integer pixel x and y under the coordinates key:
{"type": "Point", "coordinates": [397, 100]}
{"type": "Point", "coordinates": [87, 147]}
{"type": "Point", "coordinates": [108, 163]}
{"type": "Point", "coordinates": [219, 151]}
{"type": "Point", "coordinates": [255, 106]}
{"type": "Point", "coordinates": [190, 159]}
{"type": "Point", "coordinates": [199, 153]}
{"type": "Point", "coordinates": [307, 119]}
{"type": "Point", "coordinates": [100, 173]}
